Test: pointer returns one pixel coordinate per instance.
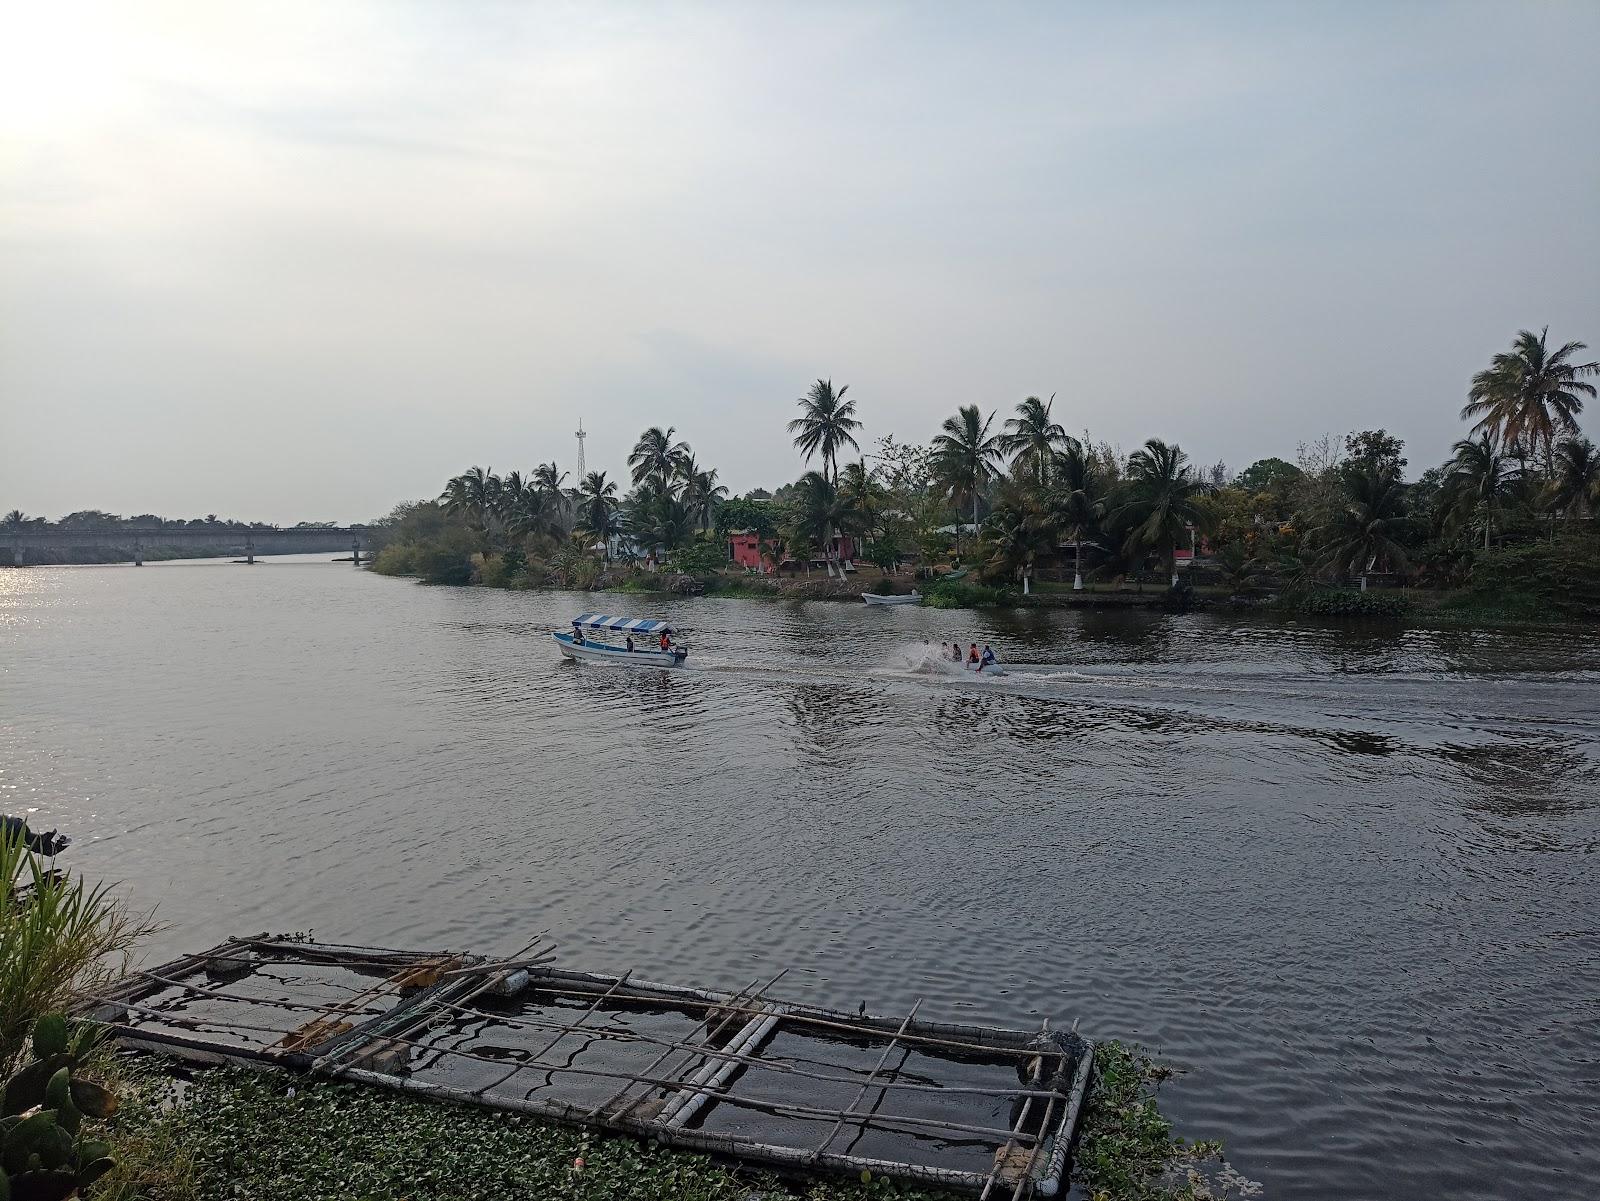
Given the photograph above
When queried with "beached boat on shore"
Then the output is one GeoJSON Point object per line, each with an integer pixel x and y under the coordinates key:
{"type": "Point", "coordinates": [953, 1105]}
{"type": "Point", "coordinates": [647, 650]}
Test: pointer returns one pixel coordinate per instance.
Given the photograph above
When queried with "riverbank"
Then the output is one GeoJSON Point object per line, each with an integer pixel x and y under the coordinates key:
{"type": "Point", "coordinates": [225, 1133]}
{"type": "Point", "coordinates": [1411, 608]}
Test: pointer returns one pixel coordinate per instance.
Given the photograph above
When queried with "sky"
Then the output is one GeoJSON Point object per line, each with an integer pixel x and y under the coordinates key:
{"type": "Point", "coordinates": [302, 261]}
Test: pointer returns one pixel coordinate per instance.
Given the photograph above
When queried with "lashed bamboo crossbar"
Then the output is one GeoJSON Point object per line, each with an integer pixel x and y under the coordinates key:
{"type": "Point", "coordinates": [867, 1083]}
{"type": "Point", "coordinates": [375, 1022]}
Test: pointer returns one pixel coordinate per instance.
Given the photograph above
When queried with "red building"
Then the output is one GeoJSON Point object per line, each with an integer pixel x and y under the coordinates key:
{"type": "Point", "coordinates": [745, 549]}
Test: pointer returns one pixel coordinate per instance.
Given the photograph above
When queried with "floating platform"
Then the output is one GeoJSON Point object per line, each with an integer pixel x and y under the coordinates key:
{"type": "Point", "coordinates": [740, 1074]}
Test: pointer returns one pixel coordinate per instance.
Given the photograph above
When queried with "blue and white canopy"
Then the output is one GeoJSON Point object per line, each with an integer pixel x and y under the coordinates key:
{"type": "Point", "coordinates": [634, 625]}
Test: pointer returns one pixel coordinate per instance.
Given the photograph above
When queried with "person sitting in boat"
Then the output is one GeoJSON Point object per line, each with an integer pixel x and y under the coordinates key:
{"type": "Point", "coordinates": [987, 659]}
{"type": "Point", "coordinates": [972, 655]}
{"type": "Point", "coordinates": [630, 642]}
{"type": "Point", "coordinates": [666, 642]}
{"type": "Point", "coordinates": [955, 652]}
{"type": "Point", "coordinates": [577, 634]}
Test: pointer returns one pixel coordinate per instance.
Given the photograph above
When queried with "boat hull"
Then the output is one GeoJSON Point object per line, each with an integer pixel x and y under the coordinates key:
{"type": "Point", "coordinates": [593, 652]}
{"type": "Point", "coordinates": [873, 598]}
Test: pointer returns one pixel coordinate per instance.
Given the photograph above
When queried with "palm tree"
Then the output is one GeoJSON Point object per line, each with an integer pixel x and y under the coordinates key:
{"type": "Point", "coordinates": [474, 496]}
{"type": "Point", "coordinates": [597, 509]}
{"type": "Point", "coordinates": [1369, 526]}
{"type": "Point", "coordinates": [1076, 504]}
{"type": "Point", "coordinates": [1575, 481]}
{"type": "Point", "coordinates": [15, 520]}
{"type": "Point", "coordinates": [965, 455]}
{"type": "Point", "coordinates": [702, 494]}
{"type": "Point", "coordinates": [1162, 501]}
{"type": "Point", "coordinates": [1528, 394]}
{"type": "Point", "coordinates": [1241, 570]}
{"type": "Point", "coordinates": [1478, 482]}
{"type": "Point", "coordinates": [656, 456]}
{"type": "Point", "coordinates": [818, 514]}
{"type": "Point", "coordinates": [862, 498]}
{"type": "Point", "coordinates": [1015, 532]}
{"type": "Point", "coordinates": [1032, 438]}
{"type": "Point", "coordinates": [826, 424]}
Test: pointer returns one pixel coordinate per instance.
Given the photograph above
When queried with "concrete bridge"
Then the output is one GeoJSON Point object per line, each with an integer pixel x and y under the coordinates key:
{"type": "Point", "coordinates": [137, 541]}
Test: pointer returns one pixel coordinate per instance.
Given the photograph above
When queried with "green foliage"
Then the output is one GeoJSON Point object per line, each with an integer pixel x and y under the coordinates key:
{"type": "Point", "coordinates": [444, 562]}
{"type": "Point", "coordinates": [1347, 602]}
{"type": "Point", "coordinates": [508, 570]}
{"type": "Point", "coordinates": [254, 1134]}
{"type": "Point", "coordinates": [1127, 1151]}
{"type": "Point", "coordinates": [699, 558]}
{"type": "Point", "coordinates": [959, 594]}
{"type": "Point", "coordinates": [56, 937]}
{"type": "Point", "coordinates": [1266, 474]}
{"type": "Point", "coordinates": [1562, 575]}
{"type": "Point", "coordinates": [45, 1153]}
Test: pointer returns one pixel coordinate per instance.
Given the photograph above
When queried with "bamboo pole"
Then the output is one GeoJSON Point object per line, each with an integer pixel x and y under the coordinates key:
{"type": "Point", "coordinates": [866, 1084]}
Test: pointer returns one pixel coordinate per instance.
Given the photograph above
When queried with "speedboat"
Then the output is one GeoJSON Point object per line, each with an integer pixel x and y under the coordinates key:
{"type": "Point", "coordinates": [874, 598]}
{"type": "Point", "coordinates": [576, 644]}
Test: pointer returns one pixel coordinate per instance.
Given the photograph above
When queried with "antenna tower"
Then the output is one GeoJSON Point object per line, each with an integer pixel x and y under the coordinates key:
{"type": "Point", "coordinates": [582, 467]}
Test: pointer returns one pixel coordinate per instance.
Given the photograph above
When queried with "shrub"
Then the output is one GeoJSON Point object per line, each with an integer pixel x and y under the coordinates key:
{"type": "Point", "coordinates": [56, 937]}
{"type": "Point", "coordinates": [1347, 602]}
{"type": "Point", "coordinates": [698, 558]}
{"type": "Point", "coordinates": [399, 559]}
{"type": "Point", "coordinates": [442, 563]}
{"type": "Point", "coordinates": [1563, 573]}
{"type": "Point", "coordinates": [959, 594]}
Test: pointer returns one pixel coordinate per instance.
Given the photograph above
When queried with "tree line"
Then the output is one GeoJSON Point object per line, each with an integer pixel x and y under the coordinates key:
{"type": "Point", "coordinates": [1005, 495]}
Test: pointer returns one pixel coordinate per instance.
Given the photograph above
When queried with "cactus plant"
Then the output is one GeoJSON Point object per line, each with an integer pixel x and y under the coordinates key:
{"type": "Point", "coordinates": [44, 1155]}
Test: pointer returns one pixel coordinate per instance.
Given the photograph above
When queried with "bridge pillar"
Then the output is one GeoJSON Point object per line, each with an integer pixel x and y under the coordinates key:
{"type": "Point", "coordinates": [249, 549]}
{"type": "Point", "coordinates": [355, 552]}
{"type": "Point", "coordinates": [138, 554]}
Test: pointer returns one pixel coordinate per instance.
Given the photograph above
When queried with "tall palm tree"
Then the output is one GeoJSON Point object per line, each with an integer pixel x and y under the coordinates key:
{"type": "Point", "coordinates": [1161, 501]}
{"type": "Point", "coordinates": [15, 520]}
{"type": "Point", "coordinates": [965, 455]}
{"type": "Point", "coordinates": [1077, 503]}
{"type": "Point", "coordinates": [826, 425]}
{"type": "Point", "coordinates": [656, 456]}
{"type": "Point", "coordinates": [1032, 438]}
{"type": "Point", "coordinates": [702, 494]}
{"type": "Point", "coordinates": [1529, 394]}
{"type": "Point", "coordinates": [1479, 481]}
{"type": "Point", "coordinates": [597, 509]}
{"type": "Point", "coordinates": [1575, 481]}
{"type": "Point", "coordinates": [1369, 527]}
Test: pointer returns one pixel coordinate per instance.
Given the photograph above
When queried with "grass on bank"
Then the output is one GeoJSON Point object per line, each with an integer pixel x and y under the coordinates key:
{"type": "Point", "coordinates": [235, 1132]}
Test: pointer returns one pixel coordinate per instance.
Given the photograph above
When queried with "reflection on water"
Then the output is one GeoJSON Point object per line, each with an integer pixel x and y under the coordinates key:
{"type": "Point", "coordinates": [1343, 876]}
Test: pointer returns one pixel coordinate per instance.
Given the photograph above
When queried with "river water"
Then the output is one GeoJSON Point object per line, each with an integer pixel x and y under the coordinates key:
{"type": "Point", "coordinates": [1342, 878]}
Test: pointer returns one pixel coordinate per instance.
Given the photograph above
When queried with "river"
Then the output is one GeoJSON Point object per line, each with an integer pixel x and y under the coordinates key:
{"type": "Point", "coordinates": [1343, 878]}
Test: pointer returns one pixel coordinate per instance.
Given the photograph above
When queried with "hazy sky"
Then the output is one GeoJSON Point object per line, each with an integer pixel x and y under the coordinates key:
{"type": "Point", "coordinates": [303, 261]}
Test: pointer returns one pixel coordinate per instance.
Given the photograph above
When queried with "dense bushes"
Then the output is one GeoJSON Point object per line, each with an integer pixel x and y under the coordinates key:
{"type": "Point", "coordinates": [1562, 575]}
{"type": "Point", "coordinates": [1347, 602]}
{"type": "Point", "coordinates": [959, 594]}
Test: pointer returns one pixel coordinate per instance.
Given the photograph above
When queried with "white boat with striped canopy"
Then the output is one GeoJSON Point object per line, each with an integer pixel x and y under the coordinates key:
{"type": "Point", "coordinates": [602, 638]}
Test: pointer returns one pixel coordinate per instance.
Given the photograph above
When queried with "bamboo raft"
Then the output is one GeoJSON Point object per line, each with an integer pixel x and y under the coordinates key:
{"type": "Point", "coordinates": [967, 1107]}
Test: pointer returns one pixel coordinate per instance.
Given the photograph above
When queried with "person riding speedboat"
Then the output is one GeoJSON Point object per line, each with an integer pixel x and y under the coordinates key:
{"type": "Point", "coordinates": [987, 659]}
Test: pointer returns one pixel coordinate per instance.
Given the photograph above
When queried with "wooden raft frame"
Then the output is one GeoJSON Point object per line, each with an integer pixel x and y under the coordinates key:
{"type": "Point", "coordinates": [369, 1036]}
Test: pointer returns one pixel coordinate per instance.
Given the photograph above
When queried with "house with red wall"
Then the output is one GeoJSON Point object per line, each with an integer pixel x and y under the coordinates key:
{"type": "Point", "coordinates": [746, 550]}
